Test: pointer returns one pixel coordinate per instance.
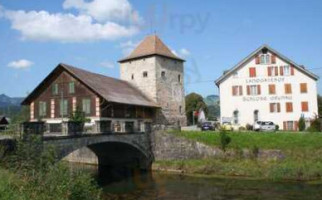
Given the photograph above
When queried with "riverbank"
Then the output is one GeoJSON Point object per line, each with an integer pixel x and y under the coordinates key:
{"type": "Point", "coordinates": [301, 160]}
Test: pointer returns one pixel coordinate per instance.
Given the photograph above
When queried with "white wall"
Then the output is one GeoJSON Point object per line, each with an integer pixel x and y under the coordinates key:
{"type": "Point", "coordinates": [246, 108]}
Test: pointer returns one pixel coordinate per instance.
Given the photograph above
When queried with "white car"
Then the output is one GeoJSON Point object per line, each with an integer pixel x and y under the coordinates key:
{"type": "Point", "coordinates": [264, 126]}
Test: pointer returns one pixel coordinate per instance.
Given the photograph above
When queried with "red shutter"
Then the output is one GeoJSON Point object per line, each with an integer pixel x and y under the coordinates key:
{"type": "Point", "coordinates": [284, 126]}
{"type": "Point", "coordinates": [292, 70]}
{"type": "Point", "coordinates": [278, 107]}
{"type": "Point", "coordinates": [269, 71]}
{"type": "Point", "coordinates": [252, 72]}
{"type": "Point", "coordinates": [257, 60]}
{"type": "Point", "coordinates": [240, 90]}
{"type": "Point", "coordinates": [258, 89]}
{"type": "Point", "coordinates": [276, 71]}
{"type": "Point", "coordinates": [248, 90]}
{"type": "Point", "coordinates": [281, 70]}
{"type": "Point", "coordinates": [273, 59]}
{"type": "Point", "coordinates": [271, 107]}
{"type": "Point", "coordinates": [233, 90]}
{"type": "Point", "coordinates": [296, 125]}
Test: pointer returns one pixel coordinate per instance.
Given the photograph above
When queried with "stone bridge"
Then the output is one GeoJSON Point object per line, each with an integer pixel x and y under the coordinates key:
{"type": "Point", "coordinates": [112, 150]}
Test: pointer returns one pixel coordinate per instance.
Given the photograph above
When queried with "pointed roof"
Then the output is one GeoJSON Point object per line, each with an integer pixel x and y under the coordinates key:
{"type": "Point", "coordinates": [257, 51]}
{"type": "Point", "coordinates": [111, 89]}
{"type": "Point", "coordinates": [151, 45]}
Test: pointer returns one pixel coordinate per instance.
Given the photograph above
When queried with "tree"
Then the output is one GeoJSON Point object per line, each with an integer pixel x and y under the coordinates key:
{"type": "Point", "coordinates": [194, 102]}
{"type": "Point", "coordinates": [302, 124]}
{"type": "Point", "coordinates": [320, 104]}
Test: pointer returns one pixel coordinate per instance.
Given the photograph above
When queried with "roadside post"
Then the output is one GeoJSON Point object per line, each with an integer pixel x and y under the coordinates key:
{"type": "Point", "coordinates": [320, 117]}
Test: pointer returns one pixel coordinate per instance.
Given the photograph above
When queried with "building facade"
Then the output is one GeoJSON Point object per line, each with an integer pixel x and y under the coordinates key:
{"type": "Point", "coordinates": [150, 91]}
{"type": "Point", "coordinates": [111, 105]}
{"type": "Point", "coordinates": [159, 74]}
{"type": "Point", "coordinates": [267, 86]}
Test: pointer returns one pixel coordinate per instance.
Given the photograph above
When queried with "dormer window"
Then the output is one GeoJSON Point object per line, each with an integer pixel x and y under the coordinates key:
{"type": "Point", "coordinates": [265, 59]}
{"type": "Point", "coordinates": [163, 74]}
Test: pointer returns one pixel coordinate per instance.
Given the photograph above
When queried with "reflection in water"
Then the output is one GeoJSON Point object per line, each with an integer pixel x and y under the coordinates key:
{"type": "Point", "coordinates": [160, 186]}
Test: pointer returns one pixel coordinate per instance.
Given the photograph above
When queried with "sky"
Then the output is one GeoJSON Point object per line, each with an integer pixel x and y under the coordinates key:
{"type": "Point", "coordinates": [211, 35]}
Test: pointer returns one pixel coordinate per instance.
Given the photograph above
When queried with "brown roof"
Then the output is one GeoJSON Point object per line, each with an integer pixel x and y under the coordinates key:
{"type": "Point", "coordinates": [151, 45]}
{"type": "Point", "coordinates": [111, 89]}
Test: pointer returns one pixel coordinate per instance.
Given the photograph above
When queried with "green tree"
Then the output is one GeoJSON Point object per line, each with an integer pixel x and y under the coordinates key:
{"type": "Point", "coordinates": [194, 102]}
{"type": "Point", "coordinates": [302, 124]}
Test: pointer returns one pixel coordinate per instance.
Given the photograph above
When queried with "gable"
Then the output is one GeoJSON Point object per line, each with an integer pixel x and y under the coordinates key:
{"type": "Point", "coordinates": [254, 57]}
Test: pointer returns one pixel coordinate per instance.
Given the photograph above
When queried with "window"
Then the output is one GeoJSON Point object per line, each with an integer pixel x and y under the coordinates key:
{"type": "Point", "coordinates": [63, 107]}
{"type": "Point", "coordinates": [256, 115]}
{"type": "Point", "coordinates": [272, 71]}
{"type": "Point", "coordinates": [288, 88]}
{"type": "Point", "coordinates": [287, 70]}
{"type": "Point", "coordinates": [179, 78]}
{"type": "Point", "coordinates": [303, 87]}
{"type": "Point", "coordinates": [275, 107]}
{"type": "Point", "coordinates": [71, 87]}
{"type": "Point", "coordinates": [132, 77]}
{"type": "Point", "coordinates": [271, 89]}
{"type": "Point", "coordinates": [235, 75]}
{"type": "Point", "coordinates": [252, 72]}
{"type": "Point", "coordinates": [305, 106]}
{"type": "Point", "coordinates": [290, 125]}
{"type": "Point", "coordinates": [265, 59]}
{"type": "Point", "coordinates": [253, 89]}
{"type": "Point", "coordinates": [87, 106]}
{"type": "Point", "coordinates": [42, 109]}
{"type": "Point", "coordinates": [180, 109]}
{"type": "Point", "coordinates": [236, 117]}
{"type": "Point", "coordinates": [163, 74]}
{"type": "Point", "coordinates": [54, 89]}
{"type": "Point", "coordinates": [289, 107]}
{"type": "Point", "coordinates": [145, 74]}
{"type": "Point", "coordinates": [237, 90]}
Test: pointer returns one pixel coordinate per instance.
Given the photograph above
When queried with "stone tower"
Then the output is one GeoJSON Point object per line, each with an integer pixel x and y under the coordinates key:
{"type": "Point", "coordinates": [159, 74]}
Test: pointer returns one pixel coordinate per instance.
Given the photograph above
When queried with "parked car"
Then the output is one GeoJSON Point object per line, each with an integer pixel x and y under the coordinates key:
{"type": "Point", "coordinates": [205, 126]}
{"type": "Point", "coordinates": [264, 126]}
{"type": "Point", "coordinates": [227, 126]}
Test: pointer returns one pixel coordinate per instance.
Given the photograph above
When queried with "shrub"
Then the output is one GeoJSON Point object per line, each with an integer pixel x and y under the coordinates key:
{"type": "Point", "coordinates": [277, 127]}
{"type": "Point", "coordinates": [242, 128]}
{"type": "Point", "coordinates": [224, 140]}
{"type": "Point", "coordinates": [301, 123]}
{"type": "Point", "coordinates": [249, 127]}
{"type": "Point", "coordinates": [255, 151]}
{"type": "Point", "coordinates": [315, 125]}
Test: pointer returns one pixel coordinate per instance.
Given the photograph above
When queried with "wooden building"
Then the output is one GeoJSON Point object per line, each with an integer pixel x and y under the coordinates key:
{"type": "Point", "coordinates": [110, 104]}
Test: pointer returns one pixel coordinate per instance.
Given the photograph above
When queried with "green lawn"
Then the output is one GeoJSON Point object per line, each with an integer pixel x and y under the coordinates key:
{"type": "Point", "coordinates": [278, 140]}
{"type": "Point", "coordinates": [303, 160]}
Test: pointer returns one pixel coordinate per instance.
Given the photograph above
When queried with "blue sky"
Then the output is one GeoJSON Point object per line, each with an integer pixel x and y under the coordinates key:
{"type": "Point", "coordinates": [213, 35]}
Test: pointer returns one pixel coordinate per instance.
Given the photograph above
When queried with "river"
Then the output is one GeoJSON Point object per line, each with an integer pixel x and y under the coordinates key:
{"type": "Point", "coordinates": [162, 186]}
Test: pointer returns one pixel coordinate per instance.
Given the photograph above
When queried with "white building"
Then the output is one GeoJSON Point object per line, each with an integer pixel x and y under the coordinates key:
{"type": "Point", "coordinates": [267, 86]}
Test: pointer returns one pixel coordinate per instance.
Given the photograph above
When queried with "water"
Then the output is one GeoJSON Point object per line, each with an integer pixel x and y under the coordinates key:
{"type": "Point", "coordinates": [161, 186]}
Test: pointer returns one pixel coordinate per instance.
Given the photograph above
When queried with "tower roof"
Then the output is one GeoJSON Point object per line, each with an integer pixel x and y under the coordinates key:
{"type": "Point", "coordinates": [151, 45]}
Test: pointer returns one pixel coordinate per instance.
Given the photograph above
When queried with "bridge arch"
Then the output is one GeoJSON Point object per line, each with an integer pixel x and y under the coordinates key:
{"type": "Point", "coordinates": [131, 149]}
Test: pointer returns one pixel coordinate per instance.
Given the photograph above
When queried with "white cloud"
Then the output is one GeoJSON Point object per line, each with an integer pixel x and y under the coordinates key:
{"type": "Point", "coordinates": [184, 52]}
{"type": "Point", "coordinates": [43, 26]}
{"type": "Point", "coordinates": [128, 46]}
{"type": "Point", "coordinates": [20, 64]}
{"type": "Point", "coordinates": [107, 64]}
{"type": "Point", "coordinates": [105, 10]}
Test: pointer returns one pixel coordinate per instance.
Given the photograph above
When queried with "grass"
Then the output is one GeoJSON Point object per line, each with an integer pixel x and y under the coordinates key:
{"type": "Point", "coordinates": [280, 140]}
{"type": "Point", "coordinates": [302, 156]}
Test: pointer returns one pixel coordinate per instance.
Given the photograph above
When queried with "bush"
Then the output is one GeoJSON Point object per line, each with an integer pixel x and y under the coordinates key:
{"type": "Point", "coordinates": [224, 140]}
{"type": "Point", "coordinates": [277, 127]}
{"type": "Point", "coordinates": [242, 128]}
{"type": "Point", "coordinates": [37, 175]}
{"type": "Point", "coordinates": [315, 125]}
{"type": "Point", "coordinates": [301, 123]}
{"type": "Point", "coordinates": [249, 127]}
